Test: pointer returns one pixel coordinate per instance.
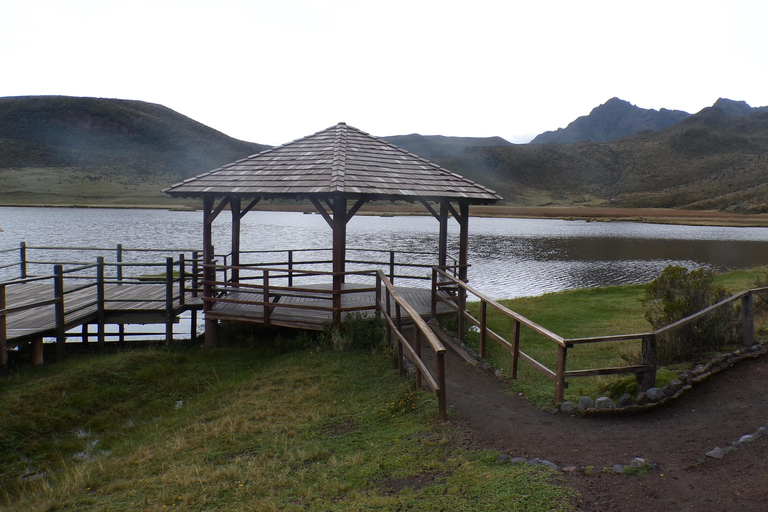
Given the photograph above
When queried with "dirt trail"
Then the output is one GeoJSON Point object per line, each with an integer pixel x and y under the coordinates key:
{"type": "Point", "coordinates": [675, 437]}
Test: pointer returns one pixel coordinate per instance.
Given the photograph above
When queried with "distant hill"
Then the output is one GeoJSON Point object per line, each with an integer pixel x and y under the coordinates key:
{"type": "Point", "coordinates": [612, 120]}
{"type": "Point", "coordinates": [710, 160]}
{"type": "Point", "coordinates": [434, 147]}
{"type": "Point", "coordinates": [111, 135]}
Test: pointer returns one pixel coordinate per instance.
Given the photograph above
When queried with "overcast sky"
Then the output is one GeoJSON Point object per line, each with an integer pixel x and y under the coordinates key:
{"type": "Point", "coordinates": [275, 70]}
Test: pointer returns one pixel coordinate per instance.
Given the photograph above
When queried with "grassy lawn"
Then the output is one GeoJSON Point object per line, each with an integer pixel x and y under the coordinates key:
{"type": "Point", "coordinates": [581, 314]}
{"type": "Point", "coordinates": [244, 427]}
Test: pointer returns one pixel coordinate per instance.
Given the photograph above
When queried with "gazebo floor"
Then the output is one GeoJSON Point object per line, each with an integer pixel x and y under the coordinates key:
{"type": "Point", "coordinates": [289, 308]}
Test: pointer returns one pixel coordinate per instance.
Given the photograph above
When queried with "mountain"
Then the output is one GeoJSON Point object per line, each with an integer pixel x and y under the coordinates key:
{"type": "Point", "coordinates": [736, 108]}
{"type": "Point", "coordinates": [613, 119]}
{"type": "Point", "coordinates": [434, 147]}
{"type": "Point", "coordinates": [710, 160]}
{"type": "Point", "coordinates": [111, 136]}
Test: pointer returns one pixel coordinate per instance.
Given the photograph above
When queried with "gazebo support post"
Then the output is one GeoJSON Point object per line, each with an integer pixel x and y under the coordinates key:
{"type": "Point", "coordinates": [339, 253]}
{"type": "Point", "coordinates": [442, 258]}
{"type": "Point", "coordinates": [209, 274]}
{"type": "Point", "coordinates": [234, 205]}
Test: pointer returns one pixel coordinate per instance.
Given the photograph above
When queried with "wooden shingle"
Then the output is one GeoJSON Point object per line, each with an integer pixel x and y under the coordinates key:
{"type": "Point", "coordinates": [338, 160]}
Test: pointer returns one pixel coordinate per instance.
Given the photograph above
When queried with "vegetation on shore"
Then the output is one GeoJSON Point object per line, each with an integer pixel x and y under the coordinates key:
{"type": "Point", "coordinates": [585, 313]}
{"type": "Point", "coordinates": [266, 423]}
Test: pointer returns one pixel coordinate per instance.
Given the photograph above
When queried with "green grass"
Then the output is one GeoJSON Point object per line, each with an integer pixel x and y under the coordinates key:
{"type": "Point", "coordinates": [243, 428]}
{"type": "Point", "coordinates": [580, 314]}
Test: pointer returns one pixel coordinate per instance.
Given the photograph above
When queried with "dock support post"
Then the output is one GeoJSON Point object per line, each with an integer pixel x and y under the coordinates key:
{"type": "Point", "coordinates": [101, 302]}
{"type": "Point", "coordinates": [118, 264]}
{"type": "Point", "coordinates": [3, 328]}
{"type": "Point", "coordinates": [37, 351]}
{"type": "Point", "coordinates": [168, 301]}
{"type": "Point", "coordinates": [58, 294]}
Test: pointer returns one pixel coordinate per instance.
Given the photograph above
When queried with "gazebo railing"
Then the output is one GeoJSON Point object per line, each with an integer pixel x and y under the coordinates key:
{"type": "Point", "coordinates": [397, 265]}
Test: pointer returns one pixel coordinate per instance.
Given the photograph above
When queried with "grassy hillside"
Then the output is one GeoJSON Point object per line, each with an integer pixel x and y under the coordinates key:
{"type": "Point", "coordinates": [709, 161]}
{"type": "Point", "coordinates": [56, 149]}
{"type": "Point", "coordinates": [244, 427]}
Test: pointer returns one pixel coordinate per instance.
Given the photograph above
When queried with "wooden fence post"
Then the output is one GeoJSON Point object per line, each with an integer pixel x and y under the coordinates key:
{"type": "Point", "coordinates": [182, 280]}
{"type": "Point", "coordinates": [441, 400]}
{"type": "Point", "coordinates": [560, 384]}
{"type": "Point", "coordinates": [483, 327]}
{"type": "Point", "coordinates": [265, 293]}
{"type": "Point", "coordinates": [118, 264]}
{"type": "Point", "coordinates": [515, 353]}
{"type": "Point", "coordinates": [23, 260]}
{"type": "Point", "coordinates": [195, 270]}
{"type": "Point", "coordinates": [377, 314]}
{"type": "Point", "coordinates": [647, 380]}
{"type": "Point", "coordinates": [462, 303]}
{"type": "Point", "coordinates": [58, 294]}
{"type": "Point", "coordinates": [748, 319]}
{"type": "Point", "coordinates": [417, 349]}
{"type": "Point", "coordinates": [399, 324]}
{"type": "Point", "coordinates": [434, 292]}
{"type": "Point", "coordinates": [100, 301]}
{"type": "Point", "coordinates": [3, 328]}
{"type": "Point", "coordinates": [392, 267]}
{"type": "Point", "coordinates": [290, 268]}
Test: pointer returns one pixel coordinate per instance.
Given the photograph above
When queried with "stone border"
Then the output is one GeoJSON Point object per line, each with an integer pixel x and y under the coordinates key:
{"type": "Point", "coordinates": [658, 397]}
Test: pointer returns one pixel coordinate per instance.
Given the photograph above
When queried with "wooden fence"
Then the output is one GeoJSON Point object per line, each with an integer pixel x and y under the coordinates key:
{"type": "Point", "coordinates": [646, 371]}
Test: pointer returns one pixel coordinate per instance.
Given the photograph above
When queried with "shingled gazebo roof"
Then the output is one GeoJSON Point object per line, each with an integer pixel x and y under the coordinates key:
{"type": "Point", "coordinates": [338, 160]}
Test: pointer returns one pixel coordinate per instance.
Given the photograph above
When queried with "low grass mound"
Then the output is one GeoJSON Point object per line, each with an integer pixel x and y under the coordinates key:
{"type": "Point", "coordinates": [258, 425]}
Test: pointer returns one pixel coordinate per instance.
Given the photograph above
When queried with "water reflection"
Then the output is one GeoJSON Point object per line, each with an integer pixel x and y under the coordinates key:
{"type": "Point", "coordinates": [509, 257]}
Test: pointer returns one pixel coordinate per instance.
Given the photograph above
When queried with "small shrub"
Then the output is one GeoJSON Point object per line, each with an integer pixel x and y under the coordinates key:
{"type": "Point", "coordinates": [677, 294]}
{"type": "Point", "coordinates": [356, 332]}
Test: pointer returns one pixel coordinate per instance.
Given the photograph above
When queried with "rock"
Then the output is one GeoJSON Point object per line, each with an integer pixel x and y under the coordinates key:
{"type": "Point", "coordinates": [675, 385]}
{"type": "Point", "coordinates": [685, 376]}
{"type": "Point", "coordinates": [637, 462]}
{"type": "Point", "coordinates": [502, 458]}
{"type": "Point", "coordinates": [471, 353]}
{"type": "Point", "coordinates": [617, 468]}
{"type": "Point", "coordinates": [655, 394]}
{"type": "Point", "coordinates": [654, 467]}
{"type": "Point", "coordinates": [625, 401]}
{"type": "Point", "coordinates": [747, 438]}
{"type": "Point", "coordinates": [534, 462]}
{"type": "Point", "coordinates": [499, 375]}
{"type": "Point", "coordinates": [603, 403]}
{"type": "Point", "coordinates": [699, 369]}
{"type": "Point", "coordinates": [641, 399]}
{"type": "Point", "coordinates": [567, 408]}
{"type": "Point", "coordinates": [716, 453]}
{"type": "Point", "coordinates": [517, 460]}
{"type": "Point", "coordinates": [550, 465]}
{"type": "Point", "coordinates": [485, 366]}
{"type": "Point", "coordinates": [585, 403]}
{"type": "Point", "coordinates": [569, 469]}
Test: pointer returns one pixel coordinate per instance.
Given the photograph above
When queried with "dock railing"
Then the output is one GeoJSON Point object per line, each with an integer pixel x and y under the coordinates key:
{"type": "Point", "coordinates": [646, 371]}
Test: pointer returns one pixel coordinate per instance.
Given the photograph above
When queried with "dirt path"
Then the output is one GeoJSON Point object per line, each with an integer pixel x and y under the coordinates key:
{"type": "Point", "coordinates": [675, 437]}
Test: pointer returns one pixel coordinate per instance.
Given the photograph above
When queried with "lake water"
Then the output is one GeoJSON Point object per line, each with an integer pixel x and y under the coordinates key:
{"type": "Point", "coordinates": [509, 257]}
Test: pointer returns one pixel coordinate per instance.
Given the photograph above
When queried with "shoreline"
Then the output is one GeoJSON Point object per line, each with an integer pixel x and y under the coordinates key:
{"type": "Point", "coordinates": [586, 213]}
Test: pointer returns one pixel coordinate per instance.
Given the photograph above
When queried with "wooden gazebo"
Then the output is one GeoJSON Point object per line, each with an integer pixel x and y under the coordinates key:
{"type": "Point", "coordinates": [338, 169]}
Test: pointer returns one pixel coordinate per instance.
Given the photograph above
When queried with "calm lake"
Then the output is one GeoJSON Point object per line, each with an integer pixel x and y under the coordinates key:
{"type": "Point", "coordinates": [509, 257]}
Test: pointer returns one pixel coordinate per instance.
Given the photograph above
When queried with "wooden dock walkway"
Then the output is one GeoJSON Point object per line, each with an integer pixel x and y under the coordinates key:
{"type": "Point", "coordinates": [123, 304]}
